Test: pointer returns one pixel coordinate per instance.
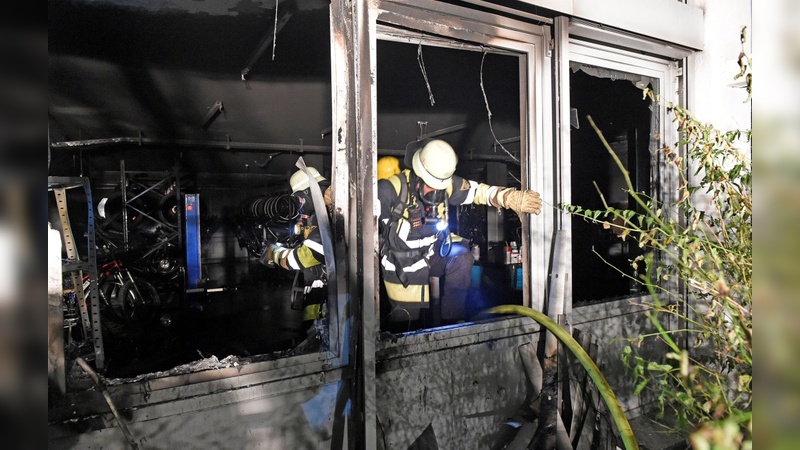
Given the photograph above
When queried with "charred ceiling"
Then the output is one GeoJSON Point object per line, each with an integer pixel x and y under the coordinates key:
{"type": "Point", "coordinates": [176, 39]}
{"type": "Point", "coordinates": [172, 78]}
{"type": "Point", "coordinates": [200, 78]}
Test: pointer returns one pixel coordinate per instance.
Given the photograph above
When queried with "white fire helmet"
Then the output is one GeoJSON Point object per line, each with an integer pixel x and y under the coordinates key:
{"type": "Point", "coordinates": [435, 163]}
{"type": "Point", "coordinates": [299, 180]}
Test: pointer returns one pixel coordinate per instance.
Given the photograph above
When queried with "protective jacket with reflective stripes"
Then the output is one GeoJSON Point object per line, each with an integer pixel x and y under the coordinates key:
{"type": "Point", "coordinates": [311, 252]}
{"type": "Point", "coordinates": [308, 256]}
{"type": "Point", "coordinates": [408, 240]}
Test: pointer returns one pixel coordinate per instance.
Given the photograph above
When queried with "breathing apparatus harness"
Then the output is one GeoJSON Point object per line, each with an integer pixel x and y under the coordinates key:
{"type": "Point", "coordinates": [306, 211]}
{"type": "Point", "coordinates": [424, 213]}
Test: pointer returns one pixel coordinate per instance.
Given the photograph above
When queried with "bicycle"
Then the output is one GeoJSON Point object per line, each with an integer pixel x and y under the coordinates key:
{"type": "Point", "coordinates": [123, 297]}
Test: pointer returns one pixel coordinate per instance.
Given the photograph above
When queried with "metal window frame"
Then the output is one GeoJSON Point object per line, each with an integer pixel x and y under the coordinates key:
{"type": "Point", "coordinates": [531, 44]}
{"type": "Point", "coordinates": [575, 44]}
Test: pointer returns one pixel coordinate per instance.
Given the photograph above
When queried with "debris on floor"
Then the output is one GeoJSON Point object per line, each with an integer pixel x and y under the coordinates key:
{"type": "Point", "coordinates": [211, 362]}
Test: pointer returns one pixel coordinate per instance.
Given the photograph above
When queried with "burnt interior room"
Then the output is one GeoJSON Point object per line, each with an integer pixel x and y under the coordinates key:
{"type": "Point", "coordinates": [614, 101]}
{"type": "Point", "coordinates": [205, 108]}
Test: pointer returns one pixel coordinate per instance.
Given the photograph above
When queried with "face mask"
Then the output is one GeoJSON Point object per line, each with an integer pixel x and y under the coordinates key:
{"type": "Point", "coordinates": [432, 198]}
{"type": "Point", "coordinates": [300, 202]}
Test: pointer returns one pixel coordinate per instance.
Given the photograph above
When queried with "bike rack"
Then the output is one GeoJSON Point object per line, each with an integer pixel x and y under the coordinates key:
{"type": "Point", "coordinates": [128, 203]}
{"type": "Point", "coordinates": [176, 227]}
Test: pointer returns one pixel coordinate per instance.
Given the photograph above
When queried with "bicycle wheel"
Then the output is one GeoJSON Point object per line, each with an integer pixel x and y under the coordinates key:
{"type": "Point", "coordinates": [110, 301]}
{"type": "Point", "coordinates": [140, 300]}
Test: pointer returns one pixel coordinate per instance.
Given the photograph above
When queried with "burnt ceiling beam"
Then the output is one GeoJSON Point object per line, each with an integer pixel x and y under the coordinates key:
{"type": "Point", "coordinates": [212, 114]}
{"type": "Point", "coordinates": [98, 144]}
{"type": "Point", "coordinates": [268, 39]}
{"type": "Point", "coordinates": [189, 143]}
{"type": "Point", "coordinates": [442, 132]}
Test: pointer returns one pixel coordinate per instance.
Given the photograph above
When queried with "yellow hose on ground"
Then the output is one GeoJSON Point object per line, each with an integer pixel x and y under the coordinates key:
{"type": "Point", "coordinates": [603, 387]}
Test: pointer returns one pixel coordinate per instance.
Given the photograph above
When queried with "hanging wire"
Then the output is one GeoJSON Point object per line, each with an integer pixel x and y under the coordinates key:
{"type": "Point", "coordinates": [275, 30]}
{"type": "Point", "coordinates": [421, 63]}
{"type": "Point", "coordinates": [489, 112]}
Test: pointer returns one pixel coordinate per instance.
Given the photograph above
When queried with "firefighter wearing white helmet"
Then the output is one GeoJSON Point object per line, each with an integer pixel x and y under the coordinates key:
{"type": "Point", "coordinates": [414, 215]}
{"type": "Point", "coordinates": [299, 179]}
{"type": "Point", "coordinates": [309, 256]}
{"type": "Point", "coordinates": [435, 163]}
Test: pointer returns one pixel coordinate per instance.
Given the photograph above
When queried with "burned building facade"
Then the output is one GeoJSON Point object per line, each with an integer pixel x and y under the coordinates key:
{"type": "Point", "coordinates": [175, 129]}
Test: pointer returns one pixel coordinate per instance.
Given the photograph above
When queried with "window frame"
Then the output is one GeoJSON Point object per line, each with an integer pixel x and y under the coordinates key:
{"type": "Point", "coordinates": [531, 44]}
{"type": "Point", "coordinates": [664, 186]}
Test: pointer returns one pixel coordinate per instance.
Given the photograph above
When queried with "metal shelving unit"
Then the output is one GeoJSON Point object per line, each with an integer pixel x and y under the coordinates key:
{"type": "Point", "coordinates": [76, 266]}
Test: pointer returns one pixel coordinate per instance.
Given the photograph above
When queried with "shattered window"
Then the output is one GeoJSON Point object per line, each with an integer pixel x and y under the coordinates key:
{"type": "Point", "coordinates": [601, 268]}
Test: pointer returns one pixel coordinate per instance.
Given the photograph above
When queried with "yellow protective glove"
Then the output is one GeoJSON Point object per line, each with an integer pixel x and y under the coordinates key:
{"type": "Point", "coordinates": [523, 202]}
{"type": "Point", "coordinates": [276, 254]}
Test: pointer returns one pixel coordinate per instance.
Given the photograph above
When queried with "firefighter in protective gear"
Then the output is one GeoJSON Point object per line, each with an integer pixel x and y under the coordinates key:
{"type": "Point", "coordinates": [414, 207]}
{"type": "Point", "coordinates": [309, 256]}
{"type": "Point", "coordinates": [388, 166]}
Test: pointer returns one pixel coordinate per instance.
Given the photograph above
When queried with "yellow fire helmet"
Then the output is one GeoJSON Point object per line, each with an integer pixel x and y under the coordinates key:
{"type": "Point", "coordinates": [388, 166]}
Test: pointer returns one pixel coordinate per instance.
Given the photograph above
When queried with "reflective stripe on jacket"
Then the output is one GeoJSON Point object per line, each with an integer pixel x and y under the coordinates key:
{"type": "Point", "coordinates": [308, 254]}
{"type": "Point", "coordinates": [407, 246]}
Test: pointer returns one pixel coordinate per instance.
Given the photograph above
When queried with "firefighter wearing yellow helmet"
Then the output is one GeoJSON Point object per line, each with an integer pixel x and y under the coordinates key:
{"type": "Point", "coordinates": [415, 237]}
{"type": "Point", "coordinates": [388, 166]}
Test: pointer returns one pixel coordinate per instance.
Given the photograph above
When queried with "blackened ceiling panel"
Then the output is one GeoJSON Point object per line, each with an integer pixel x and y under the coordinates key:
{"type": "Point", "coordinates": [425, 88]}
{"type": "Point", "coordinates": [130, 71]}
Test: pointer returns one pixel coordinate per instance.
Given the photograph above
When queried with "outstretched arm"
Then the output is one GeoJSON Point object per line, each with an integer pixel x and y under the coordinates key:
{"type": "Point", "coordinates": [465, 192]}
{"type": "Point", "coordinates": [309, 254]}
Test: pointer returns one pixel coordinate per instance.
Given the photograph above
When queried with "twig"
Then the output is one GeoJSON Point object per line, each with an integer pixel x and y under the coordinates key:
{"type": "Point", "coordinates": [600, 193]}
{"type": "Point", "coordinates": [626, 174]}
{"type": "Point", "coordinates": [107, 397]}
{"type": "Point", "coordinates": [275, 30]}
